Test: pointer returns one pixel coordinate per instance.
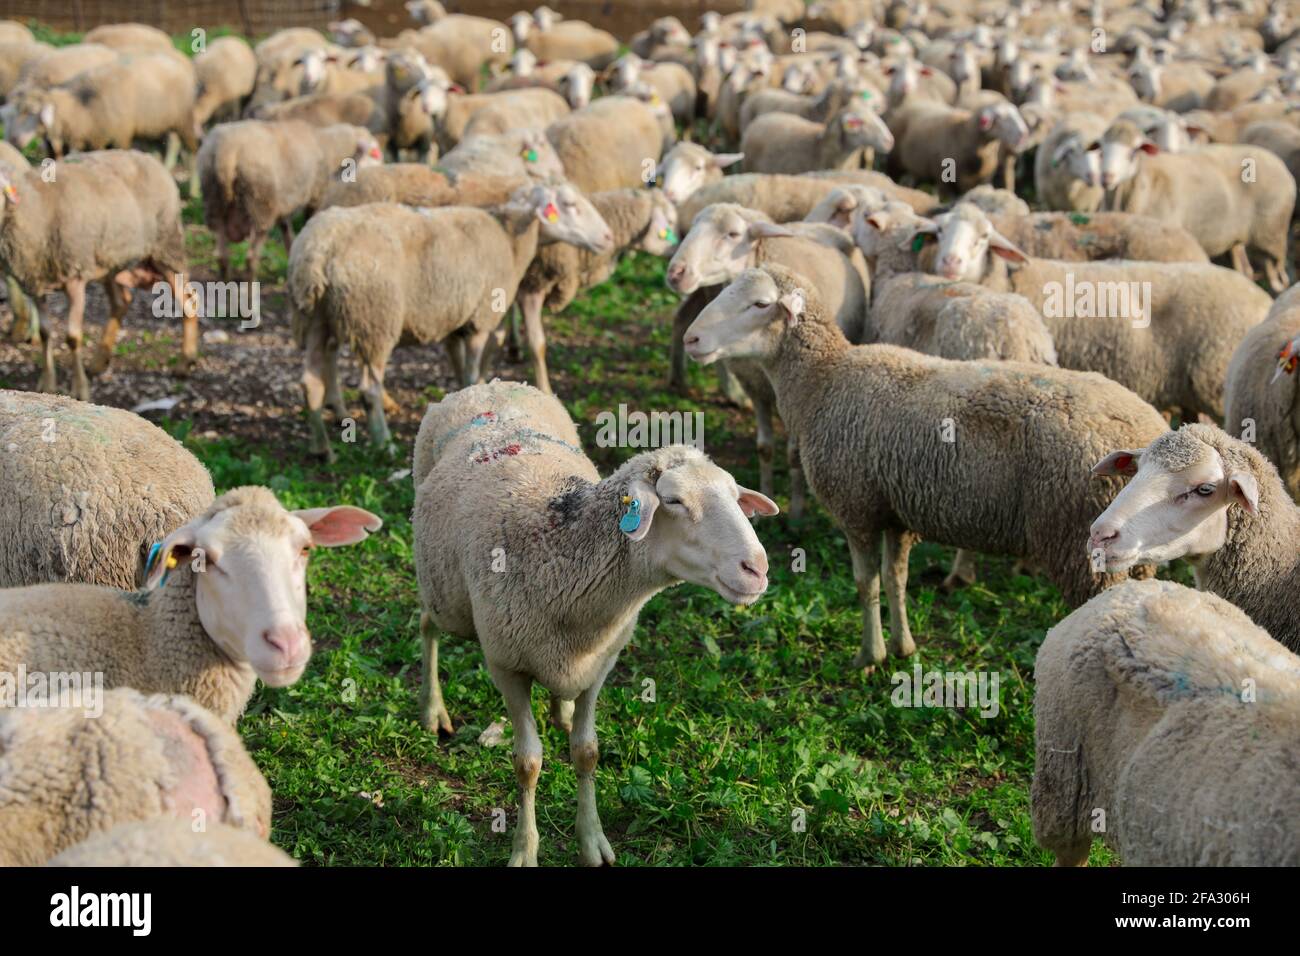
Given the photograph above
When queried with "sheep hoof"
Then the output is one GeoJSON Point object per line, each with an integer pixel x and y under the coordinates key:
{"type": "Point", "coordinates": [594, 850]}
{"type": "Point", "coordinates": [436, 720]}
{"type": "Point", "coordinates": [867, 662]}
{"type": "Point", "coordinates": [99, 364]}
{"type": "Point", "coordinates": [525, 857]}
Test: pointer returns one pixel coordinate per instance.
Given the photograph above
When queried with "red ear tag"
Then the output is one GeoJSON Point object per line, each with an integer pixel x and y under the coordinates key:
{"type": "Point", "coordinates": [550, 213]}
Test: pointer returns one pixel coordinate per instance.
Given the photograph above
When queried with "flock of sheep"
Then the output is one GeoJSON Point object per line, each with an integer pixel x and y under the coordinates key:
{"type": "Point", "coordinates": [947, 362]}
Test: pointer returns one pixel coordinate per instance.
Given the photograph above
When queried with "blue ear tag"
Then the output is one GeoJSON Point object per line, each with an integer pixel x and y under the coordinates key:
{"type": "Point", "coordinates": [153, 556]}
{"type": "Point", "coordinates": [631, 519]}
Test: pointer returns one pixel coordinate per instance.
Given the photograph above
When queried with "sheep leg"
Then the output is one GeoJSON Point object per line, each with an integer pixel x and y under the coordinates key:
{"type": "Point", "coordinates": [76, 292]}
{"type": "Point", "coordinates": [766, 445]}
{"type": "Point", "coordinates": [898, 544]}
{"type": "Point", "coordinates": [49, 377]}
{"type": "Point", "coordinates": [27, 318]}
{"type": "Point", "coordinates": [478, 354]}
{"type": "Point", "coordinates": [796, 477]}
{"type": "Point", "coordinates": [1241, 261]}
{"type": "Point", "coordinates": [865, 550]}
{"type": "Point", "coordinates": [372, 384]}
{"type": "Point", "coordinates": [530, 303]}
{"type": "Point", "coordinates": [223, 255]}
{"type": "Point", "coordinates": [516, 689]}
{"type": "Point", "coordinates": [584, 751]}
{"type": "Point", "coordinates": [1275, 270]}
{"type": "Point", "coordinates": [562, 714]}
{"type": "Point", "coordinates": [962, 572]}
{"type": "Point", "coordinates": [682, 320]}
{"type": "Point", "coordinates": [314, 376]}
{"type": "Point", "coordinates": [286, 233]}
{"type": "Point", "coordinates": [173, 150]}
{"type": "Point", "coordinates": [514, 351]}
{"type": "Point", "coordinates": [456, 353]}
{"type": "Point", "coordinates": [433, 713]}
{"type": "Point", "coordinates": [189, 320]}
{"type": "Point", "coordinates": [255, 244]}
{"type": "Point", "coordinates": [732, 390]}
{"type": "Point", "coordinates": [118, 302]}
{"type": "Point", "coordinates": [333, 392]}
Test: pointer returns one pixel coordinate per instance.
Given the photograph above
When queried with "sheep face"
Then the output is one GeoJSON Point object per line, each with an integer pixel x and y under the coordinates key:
{"type": "Point", "coordinates": [1120, 153]}
{"type": "Point", "coordinates": [838, 208]}
{"type": "Point", "coordinates": [1080, 162]}
{"type": "Point", "coordinates": [875, 226]}
{"type": "Point", "coordinates": [1004, 123]}
{"type": "Point", "coordinates": [576, 85]}
{"type": "Point", "coordinates": [695, 527]}
{"type": "Point", "coordinates": [966, 238]}
{"type": "Point", "coordinates": [568, 216]}
{"type": "Point", "coordinates": [26, 119]}
{"type": "Point", "coordinates": [687, 167]}
{"type": "Point", "coordinates": [1145, 80]}
{"type": "Point", "coordinates": [521, 24]}
{"type": "Point", "coordinates": [863, 129]}
{"type": "Point", "coordinates": [625, 72]}
{"type": "Point", "coordinates": [744, 321]}
{"type": "Point", "coordinates": [249, 556]}
{"type": "Point", "coordinates": [1176, 504]}
{"type": "Point", "coordinates": [718, 247]}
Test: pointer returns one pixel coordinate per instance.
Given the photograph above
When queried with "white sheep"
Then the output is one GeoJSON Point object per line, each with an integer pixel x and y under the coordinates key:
{"type": "Point", "coordinates": [77, 760]}
{"type": "Point", "coordinates": [1200, 494]}
{"type": "Point", "coordinates": [160, 841]}
{"type": "Point", "coordinates": [224, 602]}
{"type": "Point", "coordinates": [786, 143]}
{"type": "Point", "coordinates": [1167, 722]}
{"type": "Point", "coordinates": [500, 476]}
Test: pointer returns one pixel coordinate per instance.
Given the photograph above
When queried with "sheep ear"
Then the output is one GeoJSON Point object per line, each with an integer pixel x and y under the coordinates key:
{"type": "Point", "coordinates": [752, 503]}
{"type": "Point", "coordinates": [1004, 247]}
{"type": "Point", "coordinates": [1148, 147]}
{"type": "Point", "coordinates": [723, 160]}
{"type": "Point", "coordinates": [639, 510]}
{"type": "Point", "coordinates": [47, 115]}
{"type": "Point", "coordinates": [162, 558]}
{"type": "Point", "coordinates": [1064, 150]}
{"type": "Point", "coordinates": [794, 305]}
{"type": "Point", "coordinates": [1245, 491]}
{"type": "Point", "coordinates": [337, 526]}
{"type": "Point", "coordinates": [1123, 462]}
{"type": "Point", "coordinates": [768, 230]}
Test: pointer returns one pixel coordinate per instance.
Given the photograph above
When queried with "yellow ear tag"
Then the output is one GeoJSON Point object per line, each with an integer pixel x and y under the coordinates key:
{"type": "Point", "coordinates": [171, 560]}
{"type": "Point", "coordinates": [551, 213]}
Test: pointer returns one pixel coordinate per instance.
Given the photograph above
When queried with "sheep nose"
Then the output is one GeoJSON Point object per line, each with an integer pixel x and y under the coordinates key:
{"type": "Point", "coordinates": [676, 272]}
{"type": "Point", "coordinates": [755, 566]}
{"type": "Point", "coordinates": [1103, 535]}
{"type": "Point", "coordinates": [286, 639]}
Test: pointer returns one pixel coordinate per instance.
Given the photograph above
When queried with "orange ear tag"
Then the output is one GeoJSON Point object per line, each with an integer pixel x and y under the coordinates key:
{"type": "Point", "coordinates": [550, 213]}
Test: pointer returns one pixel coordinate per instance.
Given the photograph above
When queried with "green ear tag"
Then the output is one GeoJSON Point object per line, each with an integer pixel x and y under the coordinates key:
{"type": "Point", "coordinates": [667, 235]}
{"type": "Point", "coordinates": [1079, 219]}
{"type": "Point", "coordinates": [865, 94]}
{"type": "Point", "coordinates": [530, 155]}
{"type": "Point", "coordinates": [918, 242]}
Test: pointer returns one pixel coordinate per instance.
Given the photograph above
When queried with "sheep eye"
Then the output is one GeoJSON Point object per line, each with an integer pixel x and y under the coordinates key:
{"type": "Point", "coordinates": [762, 304]}
{"type": "Point", "coordinates": [672, 501]}
{"type": "Point", "coordinates": [1205, 490]}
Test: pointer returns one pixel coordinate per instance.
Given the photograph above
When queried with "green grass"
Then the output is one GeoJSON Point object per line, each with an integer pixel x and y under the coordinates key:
{"type": "Point", "coordinates": [757, 717]}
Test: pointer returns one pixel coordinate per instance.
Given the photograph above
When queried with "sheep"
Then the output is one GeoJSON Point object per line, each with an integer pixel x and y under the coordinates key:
{"type": "Point", "coordinates": [14, 57]}
{"type": "Point", "coordinates": [1169, 711]}
{"type": "Point", "coordinates": [672, 82]}
{"type": "Point", "coordinates": [689, 167]}
{"type": "Point", "coordinates": [520, 154]}
{"type": "Point", "coordinates": [1100, 235]}
{"type": "Point", "coordinates": [326, 109]}
{"type": "Point", "coordinates": [725, 239]}
{"type": "Point", "coordinates": [80, 760]}
{"type": "Point", "coordinates": [280, 64]}
{"type": "Point", "coordinates": [1199, 493]}
{"type": "Point", "coordinates": [27, 318]}
{"type": "Point", "coordinates": [89, 490]}
{"type": "Point", "coordinates": [1067, 171]}
{"type": "Point", "coordinates": [837, 95]}
{"type": "Point", "coordinates": [951, 146]}
{"type": "Point", "coordinates": [791, 198]}
{"type": "Point", "coordinates": [572, 80]}
{"type": "Point", "coordinates": [1280, 138]}
{"type": "Point", "coordinates": [160, 841]}
{"type": "Point", "coordinates": [256, 174]}
{"type": "Point", "coordinates": [880, 462]}
{"type": "Point", "coordinates": [415, 184]}
{"type": "Point", "coordinates": [112, 216]}
{"type": "Point", "coordinates": [130, 37]}
{"type": "Point", "coordinates": [638, 218]}
{"type": "Point", "coordinates": [566, 40]}
{"type": "Point", "coordinates": [367, 276]}
{"type": "Point", "coordinates": [609, 144]}
{"type": "Point", "coordinates": [149, 96]}
{"type": "Point", "coordinates": [534, 106]}
{"type": "Point", "coordinates": [226, 72]}
{"type": "Point", "coordinates": [1176, 86]}
{"type": "Point", "coordinates": [785, 143]}
{"type": "Point", "coordinates": [62, 64]}
{"type": "Point", "coordinates": [607, 546]}
{"type": "Point", "coordinates": [223, 603]}
{"type": "Point", "coordinates": [1166, 330]}
{"type": "Point", "coordinates": [461, 45]}
{"type": "Point", "coordinates": [11, 31]}
{"type": "Point", "coordinates": [664, 35]}
{"type": "Point", "coordinates": [1260, 389]}
{"type": "Point", "coordinates": [1207, 192]}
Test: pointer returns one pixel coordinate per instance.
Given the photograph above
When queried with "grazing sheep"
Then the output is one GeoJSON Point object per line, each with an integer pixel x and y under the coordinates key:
{"type": "Point", "coordinates": [88, 491]}
{"type": "Point", "coordinates": [820, 108]}
{"type": "Point", "coordinates": [641, 219]}
{"type": "Point", "coordinates": [785, 143]}
{"type": "Point", "coordinates": [14, 57]}
{"type": "Point", "coordinates": [1200, 494]}
{"type": "Point", "coordinates": [1260, 392]}
{"type": "Point", "coordinates": [326, 109]}
{"type": "Point", "coordinates": [956, 148]}
{"type": "Point", "coordinates": [689, 167]}
{"type": "Point", "coordinates": [160, 841]}
{"type": "Point", "coordinates": [415, 184]}
{"type": "Point", "coordinates": [1100, 235]}
{"type": "Point", "coordinates": [1165, 715]}
{"type": "Point", "coordinates": [572, 80]}
{"type": "Point", "coordinates": [144, 97]}
{"type": "Point", "coordinates": [1166, 330]}
{"type": "Point", "coordinates": [460, 44]}
{"type": "Point", "coordinates": [1207, 192]}
{"type": "Point", "coordinates": [1176, 86]}
{"type": "Point", "coordinates": [226, 72]}
{"type": "Point", "coordinates": [1280, 138]}
{"type": "Point", "coordinates": [1012, 425]}
{"type": "Point", "coordinates": [79, 762]}
{"type": "Point", "coordinates": [280, 64]}
{"type": "Point", "coordinates": [27, 318]}
{"type": "Point", "coordinates": [112, 216]}
{"type": "Point", "coordinates": [257, 174]}
{"type": "Point", "coordinates": [604, 547]}
{"type": "Point", "coordinates": [792, 198]}
{"type": "Point", "coordinates": [11, 31]}
{"type": "Point", "coordinates": [62, 64]}
{"type": "Point", "coordinates": [608, 144]}
{"type": "Point", "coordinates": [672, 82]}
{"type": "Point", "coordinates": [522, 153]}
{"type": "Point", "coordinates": [534, 106]}
{"type": "Point", "coordinates": [566, 40]}
{"type": "Point", "coordinates": [223, 603]}
{"type": "Point", "coordinates": [367, 276]}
